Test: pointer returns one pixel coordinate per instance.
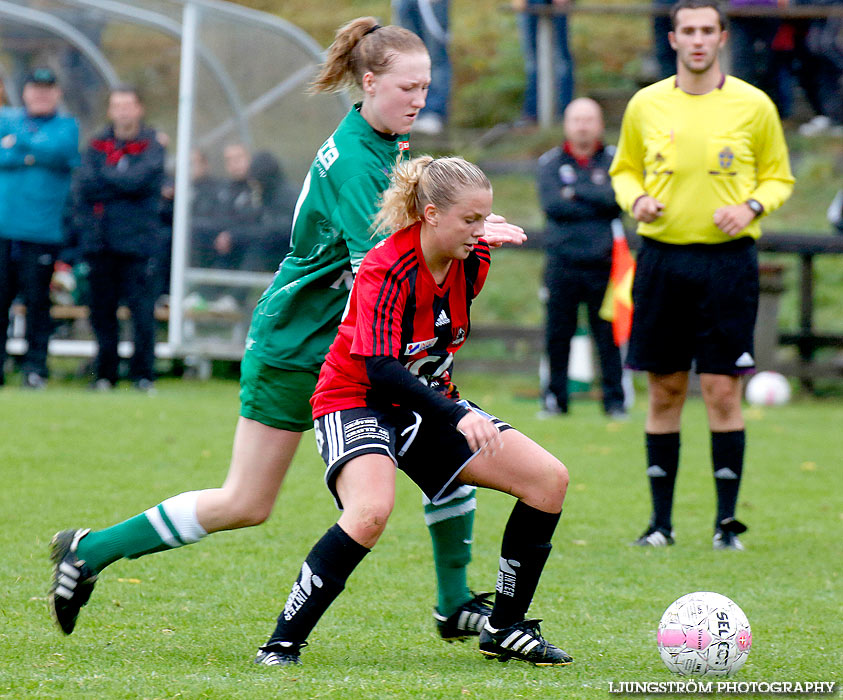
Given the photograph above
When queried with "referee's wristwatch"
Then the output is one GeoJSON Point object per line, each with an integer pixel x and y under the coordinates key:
{"type": "Point", "coordinates": [756, 206]}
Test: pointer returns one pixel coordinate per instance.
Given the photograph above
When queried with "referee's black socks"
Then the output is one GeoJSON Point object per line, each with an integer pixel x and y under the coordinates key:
{"type": "Point", "coordinates": [524, 551]}
{"type": "Point", "coordinates": [662, 465]}
{"type": "Point", "coordinates": [727, 452]}
{"type": "Point", "coordinates": [321, 579]}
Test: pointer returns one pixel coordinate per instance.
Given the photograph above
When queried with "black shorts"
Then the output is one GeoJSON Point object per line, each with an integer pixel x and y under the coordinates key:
{"type": "Point", "coordinates": [694, 304]}
{"type": "Point", "coordinates": [430, 451]}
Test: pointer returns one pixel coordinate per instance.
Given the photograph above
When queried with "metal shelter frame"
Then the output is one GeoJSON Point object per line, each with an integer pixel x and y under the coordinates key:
{"type": "Point", "coordinates": [186, 30]}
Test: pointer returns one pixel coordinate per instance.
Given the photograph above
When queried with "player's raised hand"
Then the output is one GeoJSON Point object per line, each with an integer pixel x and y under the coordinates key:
{"type": "Point", "coordinates": [498, 231]}
{"type": "Point", "coordinates": [479, 432]}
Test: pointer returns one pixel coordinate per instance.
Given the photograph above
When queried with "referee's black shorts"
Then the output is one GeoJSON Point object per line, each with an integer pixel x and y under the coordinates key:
{"type": "Point", "coordinates": [694, 303]}
{"type": "Point", "coordinates": [430, 451]}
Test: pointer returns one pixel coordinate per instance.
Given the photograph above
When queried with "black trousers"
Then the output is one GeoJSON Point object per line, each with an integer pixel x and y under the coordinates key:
{"type": "Point", "coordinates": [569, 286]}
{"type": "Point", "coordinates": [114, 277]}
{"type": "Point", "coordinates": [26, 269]}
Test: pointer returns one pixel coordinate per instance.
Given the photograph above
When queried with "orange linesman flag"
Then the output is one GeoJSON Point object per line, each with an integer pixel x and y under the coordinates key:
{"type": "Point", "coordinates": [617, 304]}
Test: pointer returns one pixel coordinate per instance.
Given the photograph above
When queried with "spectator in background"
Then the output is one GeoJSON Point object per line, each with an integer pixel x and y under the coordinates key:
{"type": "Point", "coordinates": [429, 20]}
{"type": "Point", "coordinates": [818, 66]}
{"type": "Point", "coordinates": [577, 198]}
{"type": "Point", "coordinates": [277, 199]}
{"type": "Point", "coordinates": [563, 64]}
{"type": "Point", "coordinates": [118, 218]}
{"type": "Point", "coordinates": [663, 53]}
{"type": "Point", "coordinates": [751, 43]}
{"type": "Point", "coordinates": [39, 147]}
{"type": "Point", "coordinates": [242, 222]}
{"type": "Point", "coordinates": [203, 187]}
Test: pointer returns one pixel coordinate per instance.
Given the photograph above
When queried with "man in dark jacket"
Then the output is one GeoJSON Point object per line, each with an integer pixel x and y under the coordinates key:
{"type": "Point", "coordinates": [39, 147]}
{"type": "Point", "coordinates": [576, 195]}
{"type": "Point", "coordinates": [117, 215]}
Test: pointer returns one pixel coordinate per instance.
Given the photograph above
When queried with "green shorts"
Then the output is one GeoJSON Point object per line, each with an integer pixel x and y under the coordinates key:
{"type": "Point", "coordinates": [276, 397]}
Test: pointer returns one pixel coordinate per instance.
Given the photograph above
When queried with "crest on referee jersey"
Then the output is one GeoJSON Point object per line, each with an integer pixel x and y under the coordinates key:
{"type": "Point", "coordinates": [726, 157]}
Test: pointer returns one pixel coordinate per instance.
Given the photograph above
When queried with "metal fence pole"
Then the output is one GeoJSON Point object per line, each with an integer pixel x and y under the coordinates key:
{"type": "Point", "coordinates": [181, 211]}
{"type": "Point", "coordinates": [544, 71]}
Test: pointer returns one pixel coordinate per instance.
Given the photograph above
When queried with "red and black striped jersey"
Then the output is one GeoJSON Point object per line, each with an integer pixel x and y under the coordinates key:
{"type": "Point", "coordinates": [397, 309]}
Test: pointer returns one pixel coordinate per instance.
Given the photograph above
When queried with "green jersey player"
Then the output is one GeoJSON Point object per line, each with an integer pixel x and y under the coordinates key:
{"type": "Point", "coordinates": [293, 325]}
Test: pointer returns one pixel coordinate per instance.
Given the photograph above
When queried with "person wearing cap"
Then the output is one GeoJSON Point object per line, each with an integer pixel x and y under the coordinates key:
{"type": "Point", "coordinates": [39, 148]}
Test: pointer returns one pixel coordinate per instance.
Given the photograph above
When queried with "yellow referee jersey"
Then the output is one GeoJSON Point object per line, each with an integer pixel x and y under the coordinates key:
{"type": "Point", "coordinates": [696, 153]}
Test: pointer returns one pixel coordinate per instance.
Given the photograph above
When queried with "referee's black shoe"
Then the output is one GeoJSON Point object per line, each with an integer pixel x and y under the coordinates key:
{"type": "Point", "coordinates": [522, 641]}
{"type": "Point", "coordinates": [280, 654]}
{"type": "Point", "coordinates": [726, 534]}
{"type": "Point", "coordinates": [655, 537]}
{"type": "Point", "coordinates": [73, 581]}
{"type": "Point", "coordinates": [468, 620]}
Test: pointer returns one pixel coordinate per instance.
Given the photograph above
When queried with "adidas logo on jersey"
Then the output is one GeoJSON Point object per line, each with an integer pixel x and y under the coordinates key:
{"type": "Point", "coordinates": [443, 319]}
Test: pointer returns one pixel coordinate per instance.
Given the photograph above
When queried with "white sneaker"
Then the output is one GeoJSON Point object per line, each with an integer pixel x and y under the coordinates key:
{"type": "Point", "coordinates": [815, 126]}
{"type": "Point", "coordinates": [225, 304]}
{"type": "Point", "coordinates": [194, 302]}
{"type": "Point", "coordinates": [429, 124]}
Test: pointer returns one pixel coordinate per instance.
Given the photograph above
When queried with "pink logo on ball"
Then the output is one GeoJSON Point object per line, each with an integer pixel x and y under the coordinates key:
{"type": "Point", "coordinates": [744, 640]}
{"type": "Point", "coordinates": [697, 638]}
{"type": "Point", "coordinates": [670, 638]}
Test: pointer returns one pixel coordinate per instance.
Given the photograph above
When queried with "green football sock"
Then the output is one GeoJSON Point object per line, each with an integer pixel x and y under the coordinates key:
{"type": "Point", "coordinates": [451, 525]}
{"type": "Point", "coordinates": [168, 525]}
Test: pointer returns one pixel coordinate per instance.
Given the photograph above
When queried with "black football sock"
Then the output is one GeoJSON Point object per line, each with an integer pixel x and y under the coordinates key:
{"type": "Point", "coordinates": [524, 551]}
{"type": "Point", "coordinates": [662, 466]}
{"type": "Point", "coordinates": [321, 579]}
{"type": "Point", "coordinates": [727, 451]}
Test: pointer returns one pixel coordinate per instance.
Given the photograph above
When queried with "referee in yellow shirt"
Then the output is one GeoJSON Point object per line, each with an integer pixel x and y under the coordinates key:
{"type": "Point", "coordinates": [701, 158]}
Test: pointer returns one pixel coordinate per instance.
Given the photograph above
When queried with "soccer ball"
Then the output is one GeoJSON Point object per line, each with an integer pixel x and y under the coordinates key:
{"type": "Point", "coordinates": [704, 634]}
{"type": "Point", "coordinates": [768, 389]}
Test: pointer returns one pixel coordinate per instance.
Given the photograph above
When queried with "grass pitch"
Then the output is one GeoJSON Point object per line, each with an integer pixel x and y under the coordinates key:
{"type": "Point", "coordinates": [186, 624]}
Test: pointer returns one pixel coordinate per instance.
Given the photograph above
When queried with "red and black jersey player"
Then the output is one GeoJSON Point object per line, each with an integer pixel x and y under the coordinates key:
{"type": "Point", "coordinates": [385, 399]}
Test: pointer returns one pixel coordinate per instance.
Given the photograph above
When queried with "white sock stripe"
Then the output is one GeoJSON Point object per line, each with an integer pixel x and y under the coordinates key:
{"type": "Point", "coordinates": [181, 510]}
{"type": "Point", "coordinates": [161, 529]}
{"type": "Point", "coordinates": [69, 570]}
{"type": "Point", "coordinates": [67, 582]}
{"type": "Point", "coordinates": [437, 516]}
{"type": "Point", "coordinates": [64, 592]}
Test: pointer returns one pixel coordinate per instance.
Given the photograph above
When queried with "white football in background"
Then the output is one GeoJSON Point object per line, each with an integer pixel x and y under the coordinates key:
{"type": "Point", "coordinates": [768, 389]}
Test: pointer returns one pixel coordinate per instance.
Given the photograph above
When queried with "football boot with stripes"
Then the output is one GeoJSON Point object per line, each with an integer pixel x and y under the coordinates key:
{"type": "Point", "coordinates": [468, 621]}
{"type": "Point", "coordinates": [655, 537]}
{"type": "Point", "coordinates": [280, 654]}
{"type": "Point", "coordinates": [522, 641]}
{"type": "Point", "coordinates": [73, 582]}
